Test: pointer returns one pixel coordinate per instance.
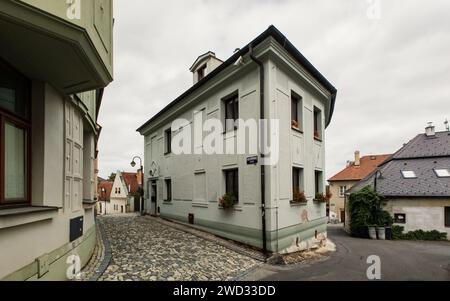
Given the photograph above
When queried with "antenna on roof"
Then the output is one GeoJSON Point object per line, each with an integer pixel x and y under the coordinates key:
{"type": "Point", "coordinates": [447, 126]}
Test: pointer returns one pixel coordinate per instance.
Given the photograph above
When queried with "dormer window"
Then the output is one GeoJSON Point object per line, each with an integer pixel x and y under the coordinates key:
{"type": "Point", "coordinates": [409, 174]}
{"type": "Point", "coordinates": [201, 73]}
{"type": "Point", "coordinates": [442, 173]}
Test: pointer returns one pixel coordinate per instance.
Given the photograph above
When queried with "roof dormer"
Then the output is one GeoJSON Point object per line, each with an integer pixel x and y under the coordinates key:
{"type": "Point", "coordinates": [204, 65]}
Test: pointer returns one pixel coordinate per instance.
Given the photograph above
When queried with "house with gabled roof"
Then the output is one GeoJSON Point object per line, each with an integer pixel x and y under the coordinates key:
{"type": "Point", "coordinates": [119, 197]}
{"type": "Point", "coordinates": [416, 183]}
{"type": "Point", "coordinates": [270, 206]}
{"type": "Point", "coordinates": [354, 172]}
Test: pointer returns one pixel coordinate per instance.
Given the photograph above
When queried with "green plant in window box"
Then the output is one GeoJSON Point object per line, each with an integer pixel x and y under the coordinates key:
{"type": "Point", "coordinates": [299, 198]}
{"type": "Point", "coordinates": [228, 201]}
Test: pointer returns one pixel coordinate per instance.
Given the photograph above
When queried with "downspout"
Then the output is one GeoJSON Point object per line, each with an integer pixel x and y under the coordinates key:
{"type": "Point", "coordinates": [262, 144]}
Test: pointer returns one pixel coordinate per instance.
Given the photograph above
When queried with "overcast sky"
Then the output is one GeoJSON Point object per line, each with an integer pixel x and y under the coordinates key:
{"type": "Point", "coordinates": [392, 73]}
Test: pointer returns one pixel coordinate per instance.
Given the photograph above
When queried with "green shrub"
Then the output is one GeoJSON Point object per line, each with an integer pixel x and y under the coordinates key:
{"type": "Point", "coordinates": [397, 232]}
{"type": "Point", "coordinates": [365, 209]}
{"type": "Point", "coordinates": [434, 235]}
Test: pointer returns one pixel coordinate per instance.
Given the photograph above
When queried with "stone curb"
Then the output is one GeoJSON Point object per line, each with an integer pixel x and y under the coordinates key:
{"type": "Point", "coordinates": [107, 253]}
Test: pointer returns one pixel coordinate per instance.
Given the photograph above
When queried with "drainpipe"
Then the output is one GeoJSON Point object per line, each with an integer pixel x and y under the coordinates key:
{"type": "Point", "coordinates": [262, 136]}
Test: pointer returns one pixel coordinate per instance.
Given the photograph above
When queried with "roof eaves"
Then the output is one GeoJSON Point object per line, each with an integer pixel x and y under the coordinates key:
{"type": "Point", "coordinates": [282, 40]}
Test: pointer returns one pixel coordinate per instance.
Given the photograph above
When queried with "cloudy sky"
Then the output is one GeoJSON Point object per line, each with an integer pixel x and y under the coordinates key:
{"type": "Point", "coordinates": [392, 72]}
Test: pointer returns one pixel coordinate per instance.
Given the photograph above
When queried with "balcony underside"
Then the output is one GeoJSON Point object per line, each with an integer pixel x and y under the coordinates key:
{"type": "Point", "coordinates": [50, 49]}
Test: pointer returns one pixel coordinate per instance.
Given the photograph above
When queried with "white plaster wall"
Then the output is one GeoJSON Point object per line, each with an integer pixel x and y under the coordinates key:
{"type": "Point", "coordinates": [421, 214]}
{"type": "Point", "coordinates": [22, 245]}
{"type": "Point", "coordinates": [181, 169]}
{"type": "Point", "coordinates": [296, 149]}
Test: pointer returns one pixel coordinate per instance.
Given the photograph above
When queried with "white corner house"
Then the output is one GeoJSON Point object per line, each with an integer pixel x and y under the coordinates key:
{"type": "Point", "coordinates": [119, 196]}
{"type": "Point", "coordinates": [268, 79]}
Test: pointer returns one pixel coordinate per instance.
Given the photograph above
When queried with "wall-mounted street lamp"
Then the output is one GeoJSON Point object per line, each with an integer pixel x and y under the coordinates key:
{"type": "Point", "coordinates": [378, 176]}
{"type": "Point", "coordinates": [133, 164]}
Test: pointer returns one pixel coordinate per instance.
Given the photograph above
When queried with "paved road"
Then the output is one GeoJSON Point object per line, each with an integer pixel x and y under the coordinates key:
{"type": "Point", "coordinates": [144, 249]}
{"type": "Point", "coordinates": [400, 260]}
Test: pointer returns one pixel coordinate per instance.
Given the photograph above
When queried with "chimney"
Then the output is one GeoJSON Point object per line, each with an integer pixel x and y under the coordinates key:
{"type": "Point", "coordinates": [357, 158]}
{"type": "Point", "coordinates": [430, 130]}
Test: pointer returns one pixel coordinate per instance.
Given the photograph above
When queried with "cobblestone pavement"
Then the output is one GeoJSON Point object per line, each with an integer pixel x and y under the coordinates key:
{"type": "Point", "coordinates": [144, 249]}
{"type": "Point", "coordinates": [99, 261]}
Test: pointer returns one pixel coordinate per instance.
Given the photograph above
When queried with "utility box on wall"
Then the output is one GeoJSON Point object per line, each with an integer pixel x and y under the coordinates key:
{"type": "Point", "coordinates": [76, 228]}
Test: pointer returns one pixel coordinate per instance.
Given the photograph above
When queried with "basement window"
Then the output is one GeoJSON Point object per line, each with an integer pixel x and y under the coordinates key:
{"type": "Point", "coordinates": [409, 174]}
{"type": "Point", "coordinates": [442, 173]}
{"type": "Point", "coordinates": [168, 184]}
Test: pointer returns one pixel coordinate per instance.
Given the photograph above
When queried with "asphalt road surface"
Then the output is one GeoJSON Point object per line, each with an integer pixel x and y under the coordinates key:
{"type": "Point", "coordinates": [400, 261]}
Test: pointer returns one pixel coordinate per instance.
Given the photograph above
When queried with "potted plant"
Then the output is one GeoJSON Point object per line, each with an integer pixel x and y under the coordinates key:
{"type": "Point", "coordinates": [381, 232]}
{"type": "Point", "coordinates": [384, 221]}
{"type": "Point", "coordinates": [299, 198]}
{"type": "Point", "coordinates": [373, 232]}
{"type": "Point", "coordinates": [295, 124]}
{"type": "Point", "coordinates": [228, 201]}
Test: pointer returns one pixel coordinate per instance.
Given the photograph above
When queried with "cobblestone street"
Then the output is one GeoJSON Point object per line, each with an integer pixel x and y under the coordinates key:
{"type": "Point", "coordinates": [144, 249]}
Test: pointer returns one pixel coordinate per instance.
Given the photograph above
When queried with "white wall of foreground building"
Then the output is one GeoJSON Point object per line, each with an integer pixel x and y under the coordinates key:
{"type": "Point", "coordinates": [62, 165]}
{"type": "Point", "coordinates": [198, 180]}
{"type": "Point", "coordinates": [425, 214]}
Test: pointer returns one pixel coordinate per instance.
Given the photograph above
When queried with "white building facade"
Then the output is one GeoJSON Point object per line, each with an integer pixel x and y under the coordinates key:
{"type": "Point", "coordinates": [263, 81]}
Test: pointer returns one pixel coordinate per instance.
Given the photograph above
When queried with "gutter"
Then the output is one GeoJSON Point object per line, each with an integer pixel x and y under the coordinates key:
{"type": "Point", "coordinates": [261, 137]}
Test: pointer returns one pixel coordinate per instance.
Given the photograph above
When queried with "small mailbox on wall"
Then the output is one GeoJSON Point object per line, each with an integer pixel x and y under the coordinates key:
{"type": "Point", "coordinates": [76, 228]}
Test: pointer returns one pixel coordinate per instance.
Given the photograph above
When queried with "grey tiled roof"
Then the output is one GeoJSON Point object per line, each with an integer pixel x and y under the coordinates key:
{"type": "Point", "coordinates": [422, 155]}
{"type": "Point", "coordinates": [423, 146]}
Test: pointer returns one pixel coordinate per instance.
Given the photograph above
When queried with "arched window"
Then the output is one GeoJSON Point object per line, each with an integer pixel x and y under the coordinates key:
{"type": "Point", "coordinates": [14, 137]}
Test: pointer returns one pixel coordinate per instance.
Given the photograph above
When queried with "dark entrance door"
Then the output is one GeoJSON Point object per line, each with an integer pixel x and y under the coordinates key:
{"type": "Point", "coordinates": [137, 204]}
{"type": "Point", "coordinates": [342, 216]}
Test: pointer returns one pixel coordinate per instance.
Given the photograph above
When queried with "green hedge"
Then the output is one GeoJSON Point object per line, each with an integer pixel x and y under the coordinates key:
{"type": "Point", "coordinates": [434, 235]}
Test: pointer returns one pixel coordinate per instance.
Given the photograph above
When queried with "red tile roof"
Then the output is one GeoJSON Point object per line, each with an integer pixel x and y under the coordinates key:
{"type": "Point", "coordinates": [131, 180]}
{"type": "Point", "coordinates": [108, 187]}
{"type": "Point", "coordinates": [357, 173]}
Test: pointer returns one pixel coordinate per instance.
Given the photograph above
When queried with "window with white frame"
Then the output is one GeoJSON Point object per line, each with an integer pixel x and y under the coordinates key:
{"type": "Point", "coordinates": [342, 190]}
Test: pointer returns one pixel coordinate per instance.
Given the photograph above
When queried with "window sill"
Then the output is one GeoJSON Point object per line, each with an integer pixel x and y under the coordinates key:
{"type": "Point", "coordinates": [318, 139]}
{"type": "Point", "coordinates": [13, 217]}
{"type": "Point", "coordinates": [200, 205]}
{"type": "Point", "coordinates": [298, 204]}
{"type": "Point", "coordinates": [297, 130]}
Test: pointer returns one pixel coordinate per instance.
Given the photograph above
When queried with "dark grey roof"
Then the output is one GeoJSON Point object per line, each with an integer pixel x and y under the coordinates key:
{"type": "Point", "coordinates": [423, 146]}
{"type": "Point", "coordinates": [422, 155]}
{"type": "Point", "coordinates": [272, 31]}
